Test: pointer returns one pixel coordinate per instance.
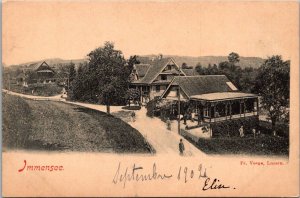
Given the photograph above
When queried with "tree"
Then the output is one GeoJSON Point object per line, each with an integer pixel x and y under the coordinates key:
{"type": "Point", "coordinates": [132, 95]}
{"type": "Point", "coordinates": [72, 73]}
{"type": "Point", "coordinates": [79, 86]}
{"type": "Point", "coordinates": [132, 61]}
{"type": "Point", "coordinates": [108, 82]}
{"type": "Point", "coordinates": [185, 66]}
{"type": "Point", "coordinates": [129, 66]}
{"type": "Point", "coordinates": [272, 83]}
{"type": "Point", "coordinates": [233, 58]}
{"type": "Point", "coordinates": [199, 69]}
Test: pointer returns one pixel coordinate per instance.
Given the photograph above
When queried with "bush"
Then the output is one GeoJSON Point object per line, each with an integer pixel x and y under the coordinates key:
{"type": "Point", "coordinates": [160, 108]}
{"type": "Point", "coordinates": [152, 108]}
{"type": "Point", "coordinates": [231, 127]}
{"type": "Point", "coordinates": [282, 129]}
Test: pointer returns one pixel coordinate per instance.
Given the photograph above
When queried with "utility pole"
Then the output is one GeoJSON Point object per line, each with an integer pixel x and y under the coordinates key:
{"type": "Point", "coordinates": [9, 82]}
{"type": "Point", "coordinates": [179, 106]}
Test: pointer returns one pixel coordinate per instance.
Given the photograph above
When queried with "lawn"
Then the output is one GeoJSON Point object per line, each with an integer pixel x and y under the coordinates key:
{"type": "Point", "coordinates": [264, 145]}
{"type": "Point", "coordinates": [48, 125]}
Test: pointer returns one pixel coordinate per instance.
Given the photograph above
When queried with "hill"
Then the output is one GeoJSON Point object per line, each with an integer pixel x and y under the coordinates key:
{"type": "Point", "coordinates": [49, 125]}
{"type": "Point", "coordinates": [53, 62]}
{"type": "Point", "coordinates": [254, 62]}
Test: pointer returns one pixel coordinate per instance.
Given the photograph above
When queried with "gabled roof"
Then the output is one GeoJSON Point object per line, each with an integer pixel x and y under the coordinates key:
{"type": "Point", "coordinates": [201, 84]}
{"type": "Point", "coordinates": [190, 72]}
{"type": "Point", "coordinates": [142, 69]}
{"type": "Point", "coordinates": [44, 67]}
{"type": "Point", "coordinates": [156, 66]}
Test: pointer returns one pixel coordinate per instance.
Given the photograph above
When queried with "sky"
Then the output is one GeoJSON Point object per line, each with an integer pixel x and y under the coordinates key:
{"type": "Point", "coordinates": [70, 30]}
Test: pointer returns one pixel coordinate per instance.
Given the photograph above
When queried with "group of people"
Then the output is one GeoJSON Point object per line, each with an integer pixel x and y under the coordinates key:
{"type": "Point", "coordinates": [242, 133]}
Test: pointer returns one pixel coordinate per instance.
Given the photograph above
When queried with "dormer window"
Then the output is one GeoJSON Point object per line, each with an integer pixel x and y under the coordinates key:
{"type": "Point", "coordinates": [163, 77]}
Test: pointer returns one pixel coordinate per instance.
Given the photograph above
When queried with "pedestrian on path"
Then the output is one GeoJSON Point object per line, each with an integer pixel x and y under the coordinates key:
{"type": "Point", "coordinates": [133, 116]}
{"type": "Point", "coordinates": [168, 124]}
{"type": "Point", "coordinates": [181, 147]}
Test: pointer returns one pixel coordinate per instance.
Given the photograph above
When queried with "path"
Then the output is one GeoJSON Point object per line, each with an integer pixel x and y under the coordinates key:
{"type": "Point", "coordinates": [163, 140]}
{"type": "Point", "coordinates": [52, 98]}
{"type": "Point", "coordinates": [153, 129]}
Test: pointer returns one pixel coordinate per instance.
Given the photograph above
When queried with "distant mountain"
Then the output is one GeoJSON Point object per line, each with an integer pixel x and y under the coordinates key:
{"type": "Point", "coordinates": [254, 62]}
{"type": "Point", "coordinates": [53, 62]}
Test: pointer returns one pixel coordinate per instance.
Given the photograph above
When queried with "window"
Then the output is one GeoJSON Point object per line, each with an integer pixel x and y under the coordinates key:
{"type": "Point", "coordinates": [205, 112]}
{"type": "Point", "coordinates": [163, 77]}
{"type": "Point", "coordinates": [157, 88]}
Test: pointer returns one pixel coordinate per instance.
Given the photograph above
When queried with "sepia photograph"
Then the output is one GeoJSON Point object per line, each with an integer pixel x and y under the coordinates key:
{"type": "Point", "coordinates": [150, 98]}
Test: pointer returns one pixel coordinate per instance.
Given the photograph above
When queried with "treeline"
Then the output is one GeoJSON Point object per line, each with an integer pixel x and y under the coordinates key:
{"type": "Point", "coordinates": [244, 79]}
{"type": "Point", "coordinates": [271, 81]}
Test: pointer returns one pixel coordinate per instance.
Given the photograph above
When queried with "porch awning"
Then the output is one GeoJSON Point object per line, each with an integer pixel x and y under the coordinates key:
{"type": "Point", "coordinates": [176, 98]}
{"type": "Point", "coordinates": [223, 96]}
{"type": "Point", "coordinates": [45, 71]}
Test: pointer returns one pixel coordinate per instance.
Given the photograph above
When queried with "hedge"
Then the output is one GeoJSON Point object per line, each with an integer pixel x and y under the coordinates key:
{"type": "Point", "coordinates": [230, 128]}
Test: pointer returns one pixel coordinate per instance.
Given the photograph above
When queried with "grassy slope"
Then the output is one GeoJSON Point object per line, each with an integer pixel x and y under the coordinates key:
{"type": "Point", "coordinates": [44, 125]}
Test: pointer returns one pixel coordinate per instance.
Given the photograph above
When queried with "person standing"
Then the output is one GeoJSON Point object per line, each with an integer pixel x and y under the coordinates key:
{"type": "Point", "coordinates": [181, 147]}
{"type": "Point", "coordinates": [241, 130]}
{"type": "Point", "coordinates": [168, 124]}
{"type": "Point", "coordinates": [133, 116]}
{"type": "Point", "coordinates": [254, 132]}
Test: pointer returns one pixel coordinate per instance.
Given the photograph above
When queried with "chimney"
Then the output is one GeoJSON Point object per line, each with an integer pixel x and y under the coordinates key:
{"type": "Point", "coordinates": [160, 56]}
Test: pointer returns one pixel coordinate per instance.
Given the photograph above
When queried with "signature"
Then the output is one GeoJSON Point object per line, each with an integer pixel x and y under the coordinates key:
{"type": "Point", "coordinates": [137, 173]}
{"type": "Point", "coordinates": [213, 185]}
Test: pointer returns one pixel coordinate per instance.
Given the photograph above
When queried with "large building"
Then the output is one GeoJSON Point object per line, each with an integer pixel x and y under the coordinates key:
{"type": "Point", "coordinates": [152, 77]}
{"type": "Point", "coordinates": [212, 98]}
{"type": "Point", "coordinates": [205, 100]}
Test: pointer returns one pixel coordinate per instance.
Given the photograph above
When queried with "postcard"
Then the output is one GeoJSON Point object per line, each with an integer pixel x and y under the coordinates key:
{"type": "Point", "coordinates": [150, 98]}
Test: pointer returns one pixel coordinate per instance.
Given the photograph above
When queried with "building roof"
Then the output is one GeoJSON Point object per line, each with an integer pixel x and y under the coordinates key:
{"type": "Point", "coordinates": [223, 96]}
{"type": "Point", "coordinates": [162, 82]}
{"type": "Point", "coordinates": [142, 69]}
{"type": "Point", "coordinates": [172, 71]}
{"type": "Point", "coordinates": [156, 66]}
{"type": "Point", "coordinates": [42, 65]}
{"type": "Point", "coordinates": [190, 72]}
{"type": "Point", "coordinates": [202, 84]}
{"type": "Point", "coordinates": [22, 75]}
{"type": "Point", "coordinates": [207, 87]}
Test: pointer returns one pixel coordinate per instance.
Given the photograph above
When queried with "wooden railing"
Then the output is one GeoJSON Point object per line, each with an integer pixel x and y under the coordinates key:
{"type": "Point", "coordinates": [236, 116]}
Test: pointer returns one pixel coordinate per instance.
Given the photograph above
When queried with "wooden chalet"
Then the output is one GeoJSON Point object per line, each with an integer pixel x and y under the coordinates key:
{"type": "Point", "coordinates": [45, 73]}
{"type": "Point", "coordinates": [154, 76]}
{"type": "Point", "coordinates": [211, 98]}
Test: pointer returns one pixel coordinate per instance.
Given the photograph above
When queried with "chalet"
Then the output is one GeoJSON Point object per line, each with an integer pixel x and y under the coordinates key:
{"type": "Point", "coordinates": [211, 98]}
{"type": "Point", "coordinates": [44, 73]}
{"type": "Point", "coordinates": [154, 76]}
